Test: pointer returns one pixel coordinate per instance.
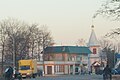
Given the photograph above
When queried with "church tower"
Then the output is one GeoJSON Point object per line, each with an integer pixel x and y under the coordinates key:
{"type": "Point", "coordinates": [94, 46]}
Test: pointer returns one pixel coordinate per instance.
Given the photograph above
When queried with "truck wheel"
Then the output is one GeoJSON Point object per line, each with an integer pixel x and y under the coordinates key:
{"type": "Point", "coordinates": [34, 76]}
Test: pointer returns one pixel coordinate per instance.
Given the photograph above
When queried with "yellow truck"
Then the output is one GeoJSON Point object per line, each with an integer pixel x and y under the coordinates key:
{"type": "Point", "coordinates": [28, 68]}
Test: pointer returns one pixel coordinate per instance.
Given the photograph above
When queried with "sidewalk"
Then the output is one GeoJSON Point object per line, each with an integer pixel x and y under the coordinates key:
{"type": "Point", "coordinates": [54, 75]}
{"type": "Point", "coordinates": [1, 78]}
{"type": "Point", "coordinates": [115, 77]}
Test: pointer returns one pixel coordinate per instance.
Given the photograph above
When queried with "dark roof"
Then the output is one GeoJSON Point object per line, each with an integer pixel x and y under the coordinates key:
{"type": "Point", "coordinates": [67, 49]}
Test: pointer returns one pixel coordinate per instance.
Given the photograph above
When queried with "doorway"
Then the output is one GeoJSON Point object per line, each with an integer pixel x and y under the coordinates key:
{"type": "Point", "coordinates": [49, 69]}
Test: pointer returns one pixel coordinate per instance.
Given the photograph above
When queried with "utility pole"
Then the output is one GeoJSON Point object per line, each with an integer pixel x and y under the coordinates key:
{"type": "Point", "coordinates": [43, 58]}
{"type": "Point", "coordinates": [43, 43]}
{"type": "Point", "coordinates": [2, 58]}
{"type": "Point", "coordinates": [14, 56]}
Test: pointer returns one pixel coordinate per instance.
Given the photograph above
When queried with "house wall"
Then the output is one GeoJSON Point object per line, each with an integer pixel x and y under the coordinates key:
{"type": "Point", "coordinates": [66, 57]}
{"type": "Point", "coordinates": [69, 62]}
{"type": "Point", "coordinates": [94, 57]}
{"type": "Point", "coordinates": [66, 69]}
{"type": "Point", "coordinates": [62, 67]}
{"type": "Point", "coordinates": [56, 57]}
{"type": "Point", "coordinates": [97, 51]}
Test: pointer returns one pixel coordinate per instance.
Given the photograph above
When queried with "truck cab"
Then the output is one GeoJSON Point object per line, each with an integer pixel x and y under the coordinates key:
{"type": "Point", "coordinates": [28, 68]}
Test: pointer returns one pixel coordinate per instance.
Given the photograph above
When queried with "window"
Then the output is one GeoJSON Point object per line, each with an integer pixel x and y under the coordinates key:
{"type": "Point", "coordinates": [59, 68]}
{"type": "Point", "coordinates": [94, 51]}
{"type": "Point", "coordinates": [78, 58]}
{"type": "Point", "coordinates": [24, 67]}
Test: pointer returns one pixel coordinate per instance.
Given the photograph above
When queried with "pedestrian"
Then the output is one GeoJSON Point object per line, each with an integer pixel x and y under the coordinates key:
{"type": "Point", "coordinates": [107, 73]}
{"type": "Point", "coordinates": [79, 71]}
{"type": "Point", "coordinates": [89, 72]}
{"type": "Point", "coordinates": [9, 73]}
{"type": "Point", "coordinates": [41, 73]}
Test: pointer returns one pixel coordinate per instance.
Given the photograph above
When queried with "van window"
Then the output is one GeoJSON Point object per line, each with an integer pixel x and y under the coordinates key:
{"type": "Point", "coordinates": [24, 67]}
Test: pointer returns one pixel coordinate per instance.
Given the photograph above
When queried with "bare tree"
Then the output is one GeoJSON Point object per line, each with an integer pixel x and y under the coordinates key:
{"type": "Point", "coordinates": [39, 37]}
{"type": "Point", "coordinates": [47, 39]}
{"type": "Point", "coordinates": [32, 29]}
{"type": "Point", "coordinates": [3, 38]}
{"type": "Point", "coordinates": [109, 9]}
{"type": "Point", "coordinates": [108, 51]}
{"type": "Point", "coordinates": [18, 39]}
{"type": "Point", "coordinates": [114, 34]}
{"type": "Point", "coordinates": [105, 46]}
{"type": "Point", "coordinates": [105, 43]}
{"type": "Point", "coordinates": [13, 30]}
{"type": "Point", "coordinates": [38, 42]}
{"type": "Point", "coordinates": [81, 42]}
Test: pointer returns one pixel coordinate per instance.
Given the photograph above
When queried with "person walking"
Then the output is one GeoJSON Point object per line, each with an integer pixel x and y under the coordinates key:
{"type": "Point", "coordinates": [9, 73]}
{"type": "Point", "coordinates": [107, 73]}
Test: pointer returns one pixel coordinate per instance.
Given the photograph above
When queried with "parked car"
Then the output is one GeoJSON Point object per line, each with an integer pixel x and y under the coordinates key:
{"type": "Point", "coordinates": [115, 71]}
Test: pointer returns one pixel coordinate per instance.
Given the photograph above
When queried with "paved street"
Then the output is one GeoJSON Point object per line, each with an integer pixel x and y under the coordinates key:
{"type": "Point", "coordinates": [70, 77]}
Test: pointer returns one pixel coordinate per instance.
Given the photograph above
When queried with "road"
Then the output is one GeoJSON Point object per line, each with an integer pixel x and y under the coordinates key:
{"type": "Point", "coordinates": [69, 77]}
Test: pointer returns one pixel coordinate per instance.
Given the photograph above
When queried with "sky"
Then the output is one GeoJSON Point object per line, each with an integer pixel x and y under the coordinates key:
{"type": "Point", "coordinates": [68, 20]}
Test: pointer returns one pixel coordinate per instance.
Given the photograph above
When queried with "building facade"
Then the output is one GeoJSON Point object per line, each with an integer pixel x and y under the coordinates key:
{"type": "Point", "coordinates": [65, 59]}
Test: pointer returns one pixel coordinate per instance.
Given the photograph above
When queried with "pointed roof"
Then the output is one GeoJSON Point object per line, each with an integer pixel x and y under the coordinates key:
{"type": "Point", "coordinates": [93, 39]}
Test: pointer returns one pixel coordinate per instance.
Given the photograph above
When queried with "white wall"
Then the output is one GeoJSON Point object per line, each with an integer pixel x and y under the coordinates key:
{"type": "Point", "coordinates": [66, 69]}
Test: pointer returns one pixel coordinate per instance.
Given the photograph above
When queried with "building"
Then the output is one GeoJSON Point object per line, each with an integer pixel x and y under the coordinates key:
{"type": "Point", "coordinates": [94, 46]}
{"type": "Point", "coordinates": [65, 59]}
{"type": "Point", "coordinates": [71, 59]}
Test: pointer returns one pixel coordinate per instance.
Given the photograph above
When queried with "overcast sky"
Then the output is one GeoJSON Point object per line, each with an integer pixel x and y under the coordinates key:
{"type": "Point", "coordinates": [68, 20]}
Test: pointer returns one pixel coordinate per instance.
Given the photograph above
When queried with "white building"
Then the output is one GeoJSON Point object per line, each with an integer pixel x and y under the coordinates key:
{"type": "Point", "coordinates": [94, 46]}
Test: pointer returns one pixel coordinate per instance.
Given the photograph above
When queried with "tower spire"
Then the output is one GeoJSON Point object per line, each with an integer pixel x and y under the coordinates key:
{"type": "Point", "coordinates": [93, 39]}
